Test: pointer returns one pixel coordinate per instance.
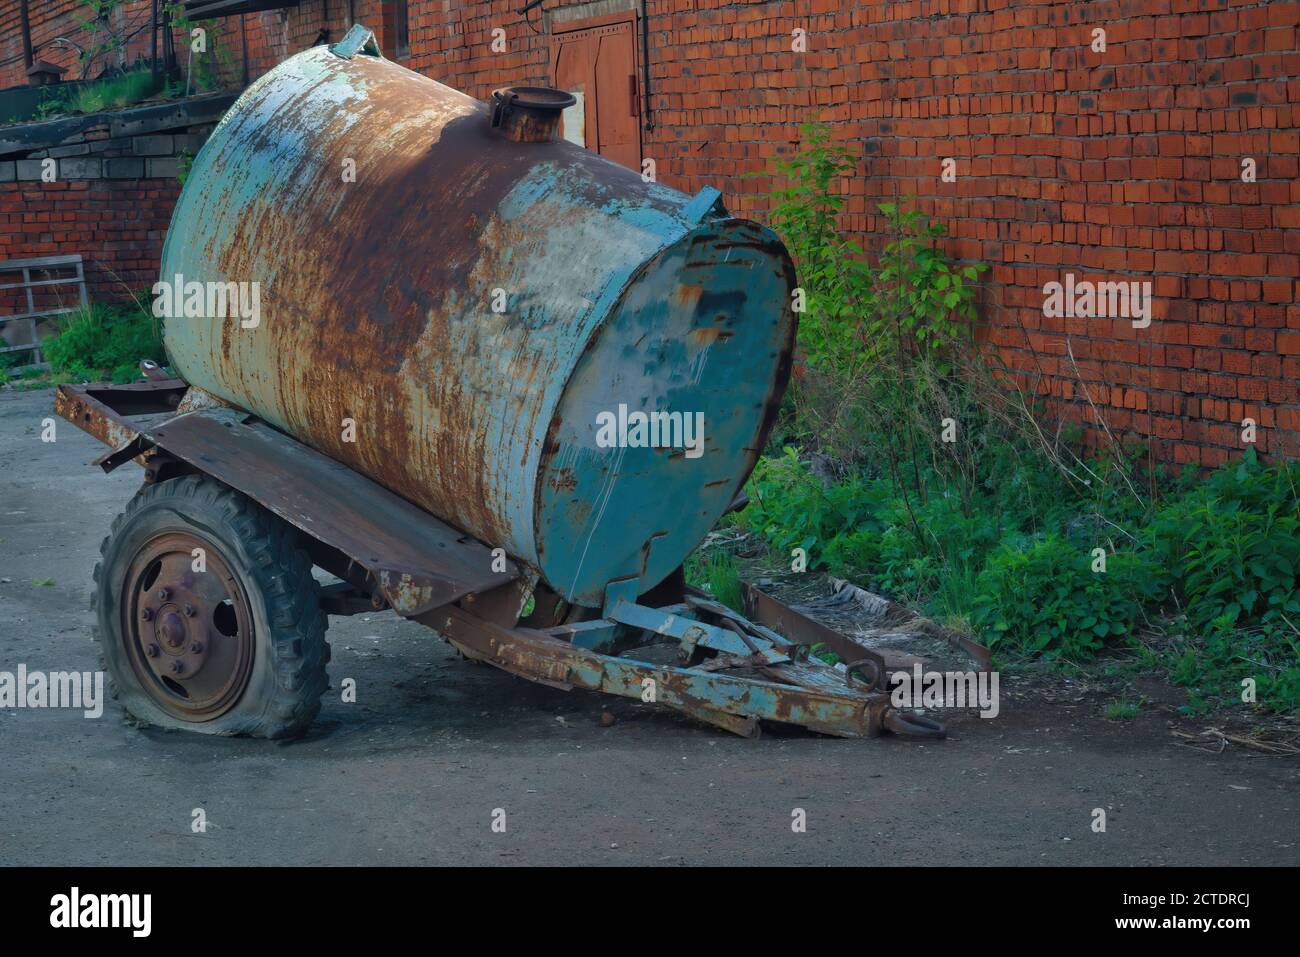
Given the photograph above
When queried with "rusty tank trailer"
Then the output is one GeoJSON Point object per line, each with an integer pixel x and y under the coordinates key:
{"type": "Point", "coordinates": [457, 396]}
{"type": "Point", "coordinates": [472, 292]}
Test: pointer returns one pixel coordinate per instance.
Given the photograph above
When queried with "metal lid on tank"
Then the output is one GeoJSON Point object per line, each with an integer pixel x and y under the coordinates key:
{"type": "Point", "coordinates": [529, 114]}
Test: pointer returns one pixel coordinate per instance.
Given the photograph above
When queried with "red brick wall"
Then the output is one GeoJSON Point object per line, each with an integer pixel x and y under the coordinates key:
{"type": "Point", "coordinates": [118, 226]}
{"type": "Point", "coordinates": [1121, 166]}
{"type": "Point", "coordinates": [276, 34]}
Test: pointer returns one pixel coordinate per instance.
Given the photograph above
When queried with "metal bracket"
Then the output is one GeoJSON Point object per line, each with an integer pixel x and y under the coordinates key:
{"type": "Point", "coordinates": [359, 39]}
{"type": "Point", "coordinates": [624, 589]}
{"type": "Point", "coordinates": [133, 449]}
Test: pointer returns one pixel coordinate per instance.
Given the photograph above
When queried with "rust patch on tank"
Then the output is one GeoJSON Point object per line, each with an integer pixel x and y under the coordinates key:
{"type": "Point", "coordinates": [687, 296]}
{"type": "Point", "coordinates": [335, 335]}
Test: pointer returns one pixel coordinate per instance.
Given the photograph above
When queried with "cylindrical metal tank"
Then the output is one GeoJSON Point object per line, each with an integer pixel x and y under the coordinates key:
{"type": "Point", "coordinates": [478, 300]}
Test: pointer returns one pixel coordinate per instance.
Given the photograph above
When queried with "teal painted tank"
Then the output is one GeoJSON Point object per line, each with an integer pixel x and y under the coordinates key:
{"type": "Point", "coordinates": [494, 311]}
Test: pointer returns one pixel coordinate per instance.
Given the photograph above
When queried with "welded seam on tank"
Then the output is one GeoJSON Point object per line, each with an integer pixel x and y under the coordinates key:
{"type": "Point", "coordinates": [608, 493]}
{"type": "Point", "coordinates": [547, 194]}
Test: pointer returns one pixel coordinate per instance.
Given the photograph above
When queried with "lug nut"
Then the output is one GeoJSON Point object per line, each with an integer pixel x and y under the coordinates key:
{"type": "Point", "coordinates": [189, 611]}
{"type": "Point", "coordinates": [178, 667]}
{"type": "Point", "coordinates": [152, 651]}
{"type": "Point", "coordinates": [146, 614]}
{"type": "Point", "coordinates": [196, 647]}
{"type": "Point", "coordinates": [163, 594]}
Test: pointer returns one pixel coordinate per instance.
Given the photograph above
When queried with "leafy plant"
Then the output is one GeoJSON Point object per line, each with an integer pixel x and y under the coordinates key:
{"type": "Point", "coordinates": [1232, 546]}
{"type": "Point", "coordinates": [909, 461]}
{"type": "Point", "coordinates": [922, 302]}
{"type": "Point", "coordinates": [834, 279]}
{"type": "Point", "coordinates": [104, 31]}
{"type": "Point", "coordinates": [1046, 600]}
{"type": "Point", "coordinates": [855, 312]}
{"type": "Point", "coordinates": [99, 341]}
{"type": "Point", "coordinates": [53, 102]}
{"type": "Point", "coordinates": [1217, 668]}
{"type": "Point", "coordinates": [203, 69]}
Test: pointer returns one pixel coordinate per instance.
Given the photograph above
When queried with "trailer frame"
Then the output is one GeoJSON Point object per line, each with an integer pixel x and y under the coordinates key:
{"type": "Point", "coordinates": [722, 668]}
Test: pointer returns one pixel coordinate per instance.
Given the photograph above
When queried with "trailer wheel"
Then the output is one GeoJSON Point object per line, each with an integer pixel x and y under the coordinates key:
{"type": "Point", "coordinates": [207, 614]}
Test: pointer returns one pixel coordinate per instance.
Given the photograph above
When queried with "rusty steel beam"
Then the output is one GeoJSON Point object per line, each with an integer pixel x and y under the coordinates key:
{"type": "Point", "coordinates": [103, 411]}
{"type": "Point", "coordinates": [766, 610]}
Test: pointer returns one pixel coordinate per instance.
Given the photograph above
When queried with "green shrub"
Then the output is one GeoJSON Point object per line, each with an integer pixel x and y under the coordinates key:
{"type": "Point", "coordinates": [1016, 563]}
{"type": "Point", "coordinates": [1046, 600]}
{"type": "Point", "coordinates": [1213, 667]}
{"type": "Point", "coordinates": [831, 272]}
{"type": "Point", "coordinates": [854, 554]}
{"type": "Point", "coordinates": [856, 311]}
{"type": "Point", "coordinates": [788, 507]}
{"type": "Point", "coordinates": [919, 299]}
{"type": "Point", "coordinates": [104, 342]}
{"type": "Point", "coordinates": [1231, 546]}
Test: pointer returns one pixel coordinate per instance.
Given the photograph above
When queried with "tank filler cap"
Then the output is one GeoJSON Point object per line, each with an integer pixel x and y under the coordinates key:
{"type": "Point", "coordinates": [529, 114]}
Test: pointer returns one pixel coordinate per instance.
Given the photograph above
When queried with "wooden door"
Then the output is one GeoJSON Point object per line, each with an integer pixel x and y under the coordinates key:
{"type": "Point", "coordinates": [596, 61]}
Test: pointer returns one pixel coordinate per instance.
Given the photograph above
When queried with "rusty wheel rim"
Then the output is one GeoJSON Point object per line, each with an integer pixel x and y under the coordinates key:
{"type": "Point", "coordinates": [188, 634]}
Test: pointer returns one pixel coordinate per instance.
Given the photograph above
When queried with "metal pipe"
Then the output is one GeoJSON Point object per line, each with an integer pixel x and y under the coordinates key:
{"type": "Point", "coordinates": [648, 117]}
{"type": "Point", "coordinates": [27, 32]}
{"type": "Point", "coordinates": [170, 65]}
{"type": "Point", "coordinates": [153, 41]}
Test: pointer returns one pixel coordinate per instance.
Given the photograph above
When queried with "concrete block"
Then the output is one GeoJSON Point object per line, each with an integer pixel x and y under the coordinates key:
{"type": "Point", "coordinates": [124, 167]}
{"type": "Point", "coordinates": [152, 145]}
{"type": "Point", "coordinates": [80, 169]}
{"type": "Point", "coordinates": [162, 168]}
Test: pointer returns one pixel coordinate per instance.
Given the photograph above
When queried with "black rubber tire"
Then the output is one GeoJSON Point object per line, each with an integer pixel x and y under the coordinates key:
{"type": "Point", "coordinates": [287, 676]}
